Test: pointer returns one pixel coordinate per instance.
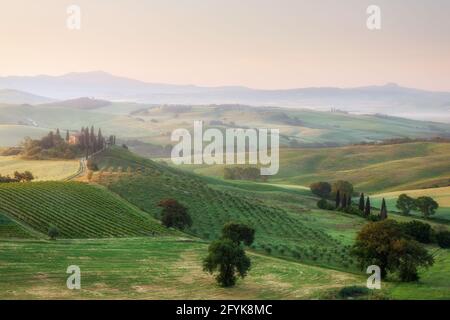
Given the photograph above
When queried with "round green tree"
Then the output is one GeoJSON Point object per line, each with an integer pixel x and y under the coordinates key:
{"type": "Point", "coordinates": [228, 259]}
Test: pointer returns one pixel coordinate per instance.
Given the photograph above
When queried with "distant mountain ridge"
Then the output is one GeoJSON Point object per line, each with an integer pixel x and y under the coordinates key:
{"type": "Point", "coordinates": [390, 99]}
{"type": "Point", "coordinates": [11, 96]}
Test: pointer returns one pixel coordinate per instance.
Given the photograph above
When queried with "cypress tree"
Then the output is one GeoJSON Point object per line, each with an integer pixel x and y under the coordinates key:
{"type": "Point", "coordinates": [82, 141]}
{"type": "Point", "coordinates": [344, 201]}
{"type": "Point", "coordinates": [100, 141]}
{"type": "Point", "coordinates": [367, 208]}
{"type": "Point", "coordinates": [361, 202]}
{"type": "Point", "coordinates": [383, 211]}
{"type": "Point", "coordinates": [67, 136]}
{"type": "Point", "coordinates": [92, 140]}
{"type": "Point", "coordinates": [338, 199]}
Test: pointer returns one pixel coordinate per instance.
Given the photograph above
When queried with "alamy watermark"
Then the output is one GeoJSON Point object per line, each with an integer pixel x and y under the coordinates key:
{"type": "Point", "coordinates": [74, 280]}
{"type": "Point", "coordinates": [374, 19]}
{"type": "Point", "coordinates": [73, 21]}
{"type": "Point", "coordinates": [235, 146]}
{"type": "Point", "coordinates": [374, 280]}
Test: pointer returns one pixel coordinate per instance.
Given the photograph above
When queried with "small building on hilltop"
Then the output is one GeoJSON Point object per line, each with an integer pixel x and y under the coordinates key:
{"type": "Point", "coordinates": [75, 138]}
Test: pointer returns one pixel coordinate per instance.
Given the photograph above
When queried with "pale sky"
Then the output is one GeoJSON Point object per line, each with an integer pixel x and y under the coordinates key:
{"type": "Point", "coordinates": [270, 44]}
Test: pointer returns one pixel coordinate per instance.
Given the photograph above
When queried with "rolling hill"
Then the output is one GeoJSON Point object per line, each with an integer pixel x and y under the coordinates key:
{"type": "Point", "coordinates": [153, 124]}
{"type": "Point", "coordinates": [138, 258]}
{"type": "Point", "coordinates": [291, 231]}
{"type": "Point", "coordinates": [371, 168]}
{"type": "Point", "coordinates": [10, 96]}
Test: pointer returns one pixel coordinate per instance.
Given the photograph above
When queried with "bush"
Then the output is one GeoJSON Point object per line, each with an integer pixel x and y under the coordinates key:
{"type": "Point", "coordinates": [174, 214]}
{"type": "Point", "coordinates": [353, 291]}
{"type": "Point", "coordinates": [321, 189]}
{"type": "Point", "coordinates": [373, 218]}
{"type": "Point", "coordinates": [91, 165]}
{"type": "Point", "coordinates": [53, 232]}
{"type": "Point", "coordinates": [443, 239]}
{"type": "Point", "coordinates": [324, 205]}
{"type": "Point", "coordinates": [238, 233]}
{"type": "Point", "coordinates": [417, 230]}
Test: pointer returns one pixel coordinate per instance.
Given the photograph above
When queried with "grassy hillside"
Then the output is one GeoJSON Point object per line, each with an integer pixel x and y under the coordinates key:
{"type": "Point", "coordinates": [42, 169]}
{"type": "Point", "coordinates": [163, 268]}
{"type": "Point", "coordinates": [78, 210]}
{"type": "Point", "coordinates": [370, 168]}
{"type": "Point", "coordinates": [290, 231]}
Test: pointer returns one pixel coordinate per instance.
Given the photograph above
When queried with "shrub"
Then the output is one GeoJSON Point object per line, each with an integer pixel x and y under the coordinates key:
{"type": "Point", "coordinates": [91, 165]}
{"type": "Point", "coordinates": [324, 205]}
{"type": "Point", "coordinates": [174, 214]}
{"type": "Point", "coordinates": [238, 233]}
{"type": "Point", "coordinates": [417, 230]}
{"type": "Point", "coordinates": [321, 189]}
{"type": "Point", "coordinates": [53, 232]}
{"type": "Point", "coordinates": [353, 291]}
{"type": "Point", "coordinates": [443, 239]}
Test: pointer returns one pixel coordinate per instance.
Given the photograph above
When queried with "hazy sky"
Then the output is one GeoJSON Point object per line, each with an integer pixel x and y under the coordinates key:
{"type": "Point", "coordinates": [256, 43]}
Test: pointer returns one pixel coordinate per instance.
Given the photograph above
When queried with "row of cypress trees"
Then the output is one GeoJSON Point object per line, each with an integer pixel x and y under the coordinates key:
{"type": "Point", "coordinates": [365, 207]}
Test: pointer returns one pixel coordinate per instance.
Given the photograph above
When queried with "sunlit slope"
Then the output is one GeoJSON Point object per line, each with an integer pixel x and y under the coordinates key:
{"type": "Point", "coordinates": [42, 170]}
{"type": "Point", "coordinates": [370, 168]}
{"type": "Point", "coordinates": [78, 210]}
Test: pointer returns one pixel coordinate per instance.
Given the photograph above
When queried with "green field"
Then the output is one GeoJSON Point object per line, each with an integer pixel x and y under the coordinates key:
{"type": "Point", "coordinates": [434, 282]}
{"type": "Point", "coordinates": [78, 210]}
{"type": "Point", "coordinates": [160, 268]}
{"type": "Point", "coordinates": [42, 170]}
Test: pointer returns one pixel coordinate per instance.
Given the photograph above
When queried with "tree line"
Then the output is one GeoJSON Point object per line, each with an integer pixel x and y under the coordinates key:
{"type": "Point", "coordinates": [426, 205]}
{"type": "Point", "coordinates": [25, 176]}
{"type": "Point", "coordinates": [53, 145]}
{"type": "Point", "coordinates": [338, 196]}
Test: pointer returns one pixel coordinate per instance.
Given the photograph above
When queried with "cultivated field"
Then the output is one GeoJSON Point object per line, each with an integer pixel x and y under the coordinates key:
{"type": "Point", "coordinates": [43, 170]}
{"type": "Point", "coordinates": [78, 210]}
